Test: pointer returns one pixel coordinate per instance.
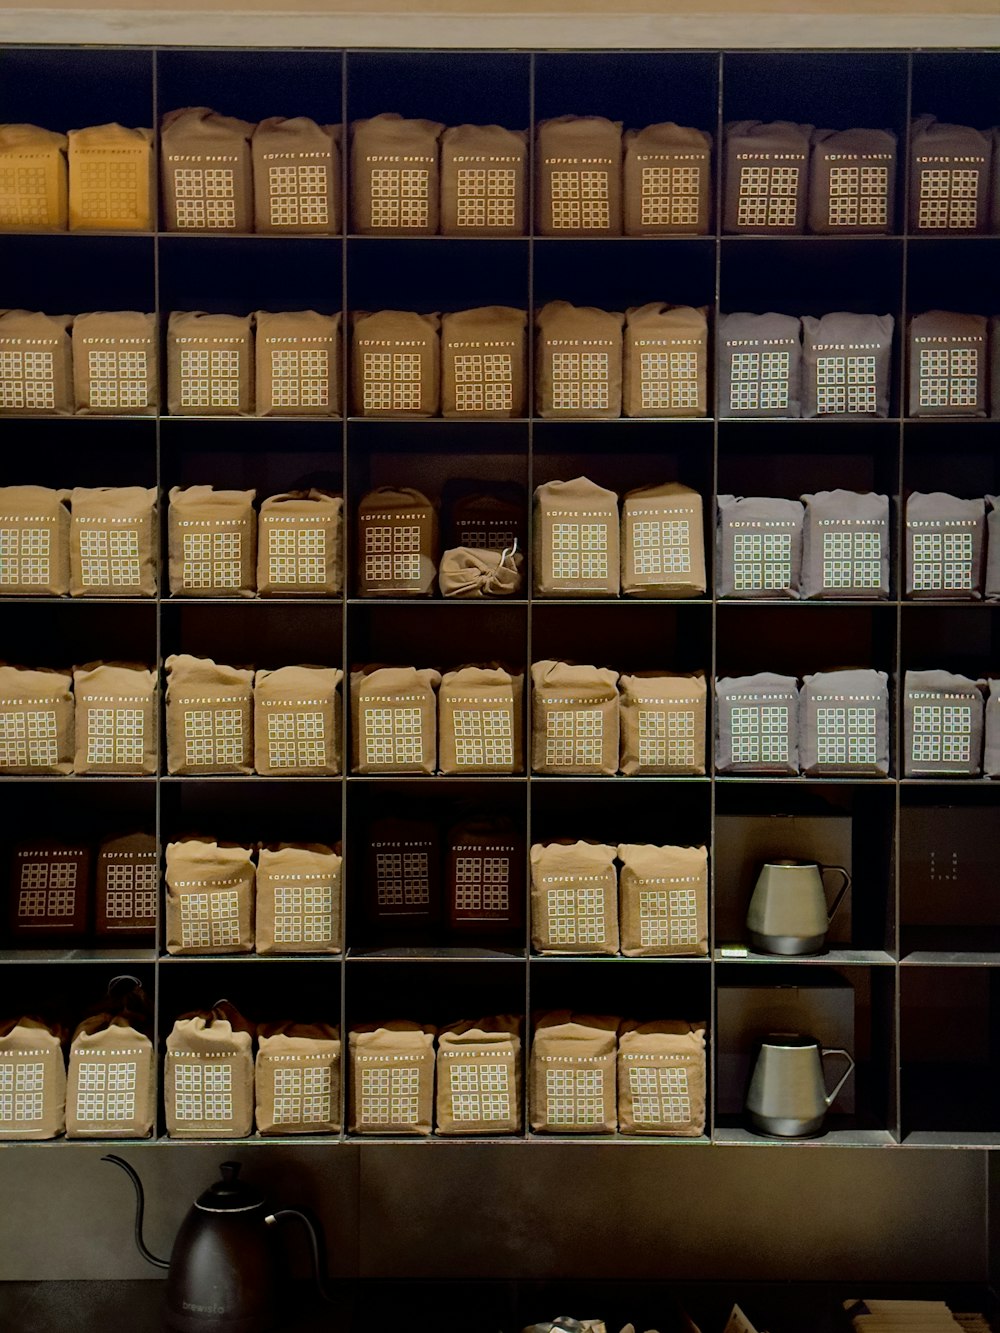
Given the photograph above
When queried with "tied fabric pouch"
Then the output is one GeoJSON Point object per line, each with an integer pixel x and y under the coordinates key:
{"type": "Point", "coordinates": [208, 1075]}
{"type": "Point", "coordinates": [209, 364]}
{"type": "Point", "coordinates": [576, 540]}
{"type": "Point", "coordinates": [667, 177]}
{"type": "Point", "coordinates": [297, 722]}
{"type": "Point", "coordinates": [49, 892]}
{"type": "Point", "coordinates": [112, 179]}
{"type": "Point", "coordinates": [846, 363]}
{"type": "Point", "coordinates": [31, 1056]}
{"type": "Point", "coordinates": [116, 364]}
{"type": "Point", "coordinates": [206, 171]}
{"type": "Point", "coordinates": [760, 547]}
{"type": "Point", "coordinates": [116, 719]}
{"type": "Point", "coordinates": [296, 177]}
{"type": "Point", "coordinates": [210, 898]}
{"type": "Point", "coordinates": [844, 724]}
{"type": "Point", "coordinates": [949, 177]}
{"type": "Point", "coordinates": [209, 717]}
{"type": "Point", "coordinates": [297, 1079]}
{"type": "Point", "coordinates": [767, 177]}
{"type": "Point", "coordinates": [33, 188]}
{"type": "Point", "coordinates": [574, 728]}
{"type": "Point", "coordinates": [852, 182]}
{"type": "Point", "coordinates": [944, 546]}
{"type": "Point", "coordinates": [113, 540]}
{"type": "Point", "coordinates": [845, 545]}
{"type": "Point", "coordinates": [36, 721]}
{"type": "Point", "coordinates": [300, 545]}
{"type": "Point", "coordinates": [36, 364]}
{"type": "Point", "coordinates": [213, 542]}
{"type": "Point", "coordinates": [394, 176]}
{"type": "Point", "coordinates": [579, 176]}
{"type": "Point", "coordinates": [128, 876]}
{"type": "Point", "coordinates": [948, 364]}
{"type": "Point", "coordinates": [298, 364]}
{"type": "Point", "coordinates": [572, 1088]}
{"type": "Point", "coordinates": [402, 873]}
{"type": "Point", "coordinates": [111, 1088]}
{"type": "Point", "coordinates": [760, 365]}
{"type": "Point", "coordinates": [473, 572]}
{"type": "Point", "coordinates": [480, 721]}
{"type": "Point", "coordinates": [662, 1081]}
{"type": "Point", "coordinates": [663, 542]}
{"type": "Point", "coordinates": [484, 876]}
{"type": "Point", "coordinates": [396, 364]}
{"type": "Point", "coordinates": [483, 181]}
{"type": "Point", "coordinates": [397, 543]}
{"type": "Point", "coordinates": [943, 716]}
{"type": "Point", "coordinates": [665, 361]}
{"type": "Point", "coordinates": [663, 901]}
{"type": "Point", "coordinates": [483, 363]}
{"type": "Point", "coordinates": [578, 362]}
{"type": "Point", "coordinates": [757, 724]}
{"type": "Point", "coordinates": [298, 899]}
{"type": "Point", "coordinates": [479, 1077]}
{"type": "Point", "coordinates": [663, 724]}
{"type": "Point", "coordinates": [34, 541]}
{"type": "Point", "coordinates": [392, 1079]}
{"type": "Point", "coordinates": [394, 720]}
{"type": "Point", "coordinates": [574, 898]}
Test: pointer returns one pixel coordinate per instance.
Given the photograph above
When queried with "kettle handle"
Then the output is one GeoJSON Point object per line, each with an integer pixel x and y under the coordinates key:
{"type": "Point", "coordinates": [841, 892]}
{"type": "Point", "coordinates": [312, 1227]}
{"type": "Point", "coordinates": [836, 1050]}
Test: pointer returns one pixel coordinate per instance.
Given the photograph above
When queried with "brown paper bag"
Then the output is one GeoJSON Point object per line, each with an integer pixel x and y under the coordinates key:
{"type": "Point", "coordinates": [115, 364]}
{"type": "Point", "coordinates": [32, 1080]}
{"type": "Point", "coordinates": [297, 1079]}
{"type": "Point", "coordinates": [113, 541]}
{"type": "Point", "coordinates": [483, 363]}
{"type": "Point", "coordinates": [33, 194]}
{"type": "Point", "coordinates": [36, 721]}
{"type": "Point", "coordinates": [479, 1077]}
{"type": "Point", "coordinates": [578, 362]}
{"type": "Point", "coordinates": [213, 542]}
{"type": "Point", "coordinates": [49, 894]}
{"type": "Point", "coordinates": [767, 177]}
{"type": "Point", "coordinates": [663, 894]}
{"type": "Point", "coordinates": [210, 898]}
{"type": "Point", "coordinates": [484, 876]}
{"type": "Point", "coordinates": [490, 516]}
{"type": "Point", "coordinates": [397, 549]}
{"type": "Point", "coordinates": [117, 719]}
{"type": "Point", "coordinates": [663, 542]}
{"type": "Point", "coordinates": [299, 899]}
{"type": "Point", "coordinates": [576, 540]}
{"type": "Point", "coordinates": [128, 873]}
{"type": "Point", "coordinates": [665, 370]}
{"type": "Point", "coordinates": [661, 1079]}
{"type": "Point", "coordinates": [668, 181]}
{"type": "Point", "coordinates": [298, 364]}
{"type": "Point", "coordinates": [394, 176]}
{"type": "Point", "coordinates": [297, 722]}
{"type": "Point", "coordinates": [209, 717]}
{"type": "Point", "coordinates": [663, 724]}
{"type": "Point", "coordinates": [574, 898]}
{"type": "Point", "coordinates": [468, 572]}
{"type": "Point", "coordinates": [206, 171]}
{"type": "Point", "coordinates": [402, 883]}
{"type": "Point", "coordinates": [394, 720]}
{"type": "Point", "coordinates": [852, 181]}
{"type": "Point", "coordinates": [296, 177]}
{"type": "Point", "coordinates": [579, 176]}
{"type": "Point", "coordinates": [112, 179]}
{"type": "Point", "coordinates": [481, 721]}
{"type": "Point", "coordinates": [396, 364]}
{"type": "Point", "coordinates": [392, 1079]}
{"type": "Point", "coordinates": [36, 364]}
{"type": "Point", "coordinates": [208, 1075]}
{"type": "Point", "coordinates": [209, 364]}
{"type": "Point", "coordinates": [574, 728]}
{"type": "Point", "coordinates": [573, 1074]}
{"type": "Point", "coordinates": [483, 181]}
{"type": "Point", "coordinates": [300, 545]}
{"type": "Point", "coordinates": [34, 541]}
{"type": "Point", "coordinates": [111, 1088]}
{"type": "Point", "coordinates": [949, 177]}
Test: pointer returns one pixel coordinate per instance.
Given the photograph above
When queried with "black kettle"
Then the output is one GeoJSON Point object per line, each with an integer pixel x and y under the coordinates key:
{"type": "Point", "coordinates": [222, 1274]}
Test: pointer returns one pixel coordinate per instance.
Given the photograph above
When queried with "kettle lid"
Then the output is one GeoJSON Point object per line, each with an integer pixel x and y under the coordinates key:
{"type": "Point", "coordinates": [230, 1194]}
{"type": "Point", "coordinates": [789, 1040]}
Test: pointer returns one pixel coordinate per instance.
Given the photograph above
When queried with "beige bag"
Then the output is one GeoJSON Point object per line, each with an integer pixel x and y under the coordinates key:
{"type": "Point", "coordinates": [479, 1077]}
{"type": "Point", "coordinates": [117, 719]}
{"type": "Point", "coordinates": [667, 181]}
{"type": "Point", "coordinates": [112, 179]}
{"type": "Point", "coordinates": [576, 540]}
{"type": "Point", "coordinates": [396, 364]}
{"type": "Point", "coordinates": [397, 543]}
{"type": "Point", "coordinates": [111, 1089]}
{"type": "Point", "coordinates": [578, 362]}
{"type": "Point", "coordinates": [300, 545]}
{"type": "Point", "coordinates": [33, 193]}
{"type": "Point", "coordinates": [663, 542]}
{"type": "Point", "coordinates": [394, 720]}
{"type": "Point", "coordinates": [213, 542]}
{"type": "Point", "coordinates": [49, 893]}
{"type": "Point", "coordinates": [298, 364]}
{"type": "Point", "coordinates": [36, 364]}
{"type": "Point", "coordinates": [574, 726]}
{"type": "Point", "coordinates": [34, 541]}
{"type": "Point", "coordinates": [468, 572]}
{"type": "Point", "coordinates": [579, 176]}
{"type": "Point", "coordinates": [208, 1075]}
{"type": "Point", "coordinates": [573, 1074]}
{"type": "Point", "coordinates": [128, 876]}
{"type": "Point", "coordinates": [209, 364]}
{"type": "Point", "coordinates": [297, 1079]}
{"type": "Point", "coordinates": [115, 364]}
{"type": "Point", "coordinates": [394, 176]}
{"type": "Point", "coordinates": [297, 722]}
{"type": "Point", "coordinates": [663, 893]}
{"type": "Point", "coordinates": [481, 721]}
{"type": "Point", "coordinates": [299, 899]}
{"type": "Point", "coordinates": [210, 898]}
{"type": "Point", "coordinates": [483, 181]}
{"type": "Point", "coordinates": [665, 361]}
{"type": "Point", "coordinates": [209, 717]}
{"type": "Point", "coordinates": [296, 177]}
{"type": "Point", "coordinates": [574, 898]}
{"type": "Point", "coordinates": [36, 721]}
{"type": "Point", "coordinates": [206, 171]}
{"type": "Point", "coordinates": [483, 363]}
{"type": "Point", "coordinates": [663, 724]}
{"type": "Point", "coordinates": [662, 1079]}
{"type": "Point", "coordinates": [32, 1080]}
{"type": "Point", "coordinates": [392, 1079]}
{"type": "Point", "coordinates": [113, 541]}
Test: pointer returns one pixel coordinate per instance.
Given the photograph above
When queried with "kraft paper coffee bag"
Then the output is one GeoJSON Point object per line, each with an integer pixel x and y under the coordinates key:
{"type": "Point", "coordinates": [576, 540]}
{"type": "Point", "coordinates": [846, 364]}
{"type": "Point", "coordinates": [483, 363]}
{"type": "Point", "coordinates": [113, 541]}
{"type": "Point", "coordinates": [298, 364]}
{"type": "Point", "coordinates": [206, 171]}
{"type": "Point", "coordinates": [844, 724]}
{"type": "Point", "coordinates": [396, 364]}
{"type": "Point", "coordinates": [394, 176]}
{"type": "Point", "coordinates": [208, 1075]}
{"type": "Point", "coordinates": [472, 572]}
{"type": "Point", "coordinates": [112, 179]}
{"type": "Point", "coordinates": [128, 877]}
{"type": "Point", "coordinates": [300, 545]}
{"type": "Point", "coordinates": [574, 898]}
{"type": "Point", "coordinates": [210, 898]}
{"type": "Point", "coordinates": [117, 719]}
{"type": "Point", "coordinates": [34, 542]}
{"type": "Point", "coordinates": [757, 724]}
{"type": "Point", "coordinates": [579, 176]}
{"type": "Point", "coordinates": [948, 364]}
{"type": "Point", "coordinates": [845, 545]}
{"type": "Point", "coordinates": [662, 1079]}
{"type": "Point", "coordinates": [481, 721]}
{"type": "Point", "coordinates": [36, 721]}
{"type": "Point", "coordinates": [34, 1069]}
{"type": "Point", "coordinates": [767, 177]}
{"type": "Point", "coordinates": [49, 894]}
{"type": "Point", "coordinates": [667, 181]}
{"type": "Point", "coordinates": [116, 364]}
{"type": "Point", "coordinates": [397, 552]}
{"type": "Point", "coordinates": [394, 720]}
{"type": "Point", "coordinates": [296, 177]}
{"type": "Point", "coordinates": [36, 364]}
{"type": "Point", "coordinates": [209, 364]}
{"type": "Point", "coordinates": [402, 883]}
{"type": "Point", "coordinates": [578, 362]}
{"type": "Point", "coordinates": [663, 724]}
{"type": "Point", "coordinates": [949, 177]}
{"type": "Point", "coordinates": [484, 189]}
{"type": "Point", "coordinates": [209, 717]}
{"type": "Point", "coordinates": [479, 1077]}
{"type": "Point", "coordinates": [488, 515]}
{"type": "Point", "coordinates": [760, 547]}
{"type": "Point", "coordinates": [663, 542]}
{"type": "Point", "coordinates": [760, 365]}
{"type": "Point", "coordinates": [574, 726]}
{"type": "Point", "coordinates": [392, 1079]}
{"type": "Point", "coordinates": [573, 1087]}
{"type": "Point", "coordinates": [852, 182]}
{"type": "Point", "coordinates": [297, 1079]}
{"type": "Point", "coordinates": [943, 717]}
{"type": "Point", "coordinates": [665, 370]}
{"type": "Point", "coordinates": [299, 899]}
{"type": "Point", "coordinates": [663, 901]}
{"type": "Point", "coordinates": [111, 1088]}
{"type": "Point", "coordinates": [944, 546]}
{"type": "Point", "coordinates": [33, 190]}
{"type": "Point", "coordinates": [297, 722]}
{"type": "Point", "coordinates": [213, 542]}
{"type": "Point", "coordinates": [484, 877]}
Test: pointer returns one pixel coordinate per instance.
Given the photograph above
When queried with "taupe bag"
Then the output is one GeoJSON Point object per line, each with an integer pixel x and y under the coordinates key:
{"type": "Point", "coordinates": [949, 177]}
{"type": "Point", "coordinates": [576, 540]}
{"type": "Point", "coordinates": [483, 363]}
{"type": "Point", "coordinates": [991, 587]}
{"type": "Point", "coordinates": [112, 179]}
{"type": "Point", "coordinates": [663, 724]}
{"type": "Point", "coordinates": [36, 721]}
{"type": "Point", "coordinates": [574, 898]}
{"type": "Point", "coordinates": [36, 364]}
{"type": "Point", "coordinates": [490, 516]}
{"type": "Point", "coordinates": [298, 364]}
{"type": "Point", "coordinates": [663, 901]}
{"type": "Point", "coordinates": [209, 364]}
{"type": "Point", "coordinates": [111, 1087]}
{"type": "Point", "coordinates": [757, 724]}
{"type": "Point", "coordinates": [300, 543]}
{"type": "Point", "coordinates": [128, 874]}
{"type": "Point", "coordinates": [297, 1079]}
{"type": "Point", "coordinates": [113, 541]}
{"type": "Point", "coordinates": [206, 171]}
{"type": "Point", "coordinates": [943, 717]}
{"type": "Point", "coordinates": [760, 547]}
{"type": "Point", "coordinates": [662, 1079]}
{"type": "Point", "coordinates": [479, 1077]}
{"type": "Point", "coordinates": [767, 177]}
{"type": "Point", "coordinates": [117, 719]}
{"type": "Point", "coordinates": [115, 364]}
{"type": "Point", "coordinates": [33, 191]}
{"type": "Point", "coordinates": [299, 899]}
{"type": "Point", "coordinates": [481, 721]}
{"type": "Point", "coordinates": [392, 1079]}
{"type": "Point", "coordinates": [484, 877]}
{"type": "Point", "coordinates": [213, 542]}
{"type": "Point", "coordinates": [208, 1075]}
{"type": "Point", "coordinates": [209, 717]}
{"type": "Point", "coordinates": [296, 177]}
{"type": "Point", "coordinates": [663, 542]}
{"type": "Point", "coordinates": [852, 182]}
{"type": "Point", "coordinates": [49, 893]}
{"type": "Point", "coordinates": [846, 365]}
{"type": "Point", "coordinates": [32, 1079]}
{"type": "Point", "coordinates": [394, 720]}
{"type": "Point", "coordinates": [574, 728]}
{"type": "Point", "coordinates": [991, 748]}
{"type": "Point", "coordinates": [668, 181]}
{"type": "Point", "coordinates": [573, 1074]}
{"type": "Point", "coordinates": [948, 364]}
{"type": "Point", "coordinates": [844, 724]}
{"type": "Point", "coordinates": [396, 364]}
{"type": "Point", "coordinates": [845, 545]}
{"type": "Point", "coordinates": [578, 362]}
{"type": "Point", "coordinates": [297, 722]}
{"type": "Point", "coordinates": [579, 176]}
{"type": "Point", "coordinates": [402, 883]}
{"type": "Point", "coordinates": [944, 546]}
{"type": "Point", "coordinates": [760, 365]}
{"type": "Point", "coordinates": [210, 898]}
{"type": "Point", "coordinates": [665, 361]}
{"type": "Point", "coordinates": [483, 181]}
{"type": "Point", "coordinates": [394, 176]}
{"type": "Point", "coordinates": [34, 541]}
{"type": "Point", "coordinates": [397, 543]}
{"type": "Point", "coordinates": [468, 572]}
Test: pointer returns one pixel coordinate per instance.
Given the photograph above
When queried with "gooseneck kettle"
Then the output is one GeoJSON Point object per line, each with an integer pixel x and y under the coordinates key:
{"type": "Point", "coordinates": [222, 1274]}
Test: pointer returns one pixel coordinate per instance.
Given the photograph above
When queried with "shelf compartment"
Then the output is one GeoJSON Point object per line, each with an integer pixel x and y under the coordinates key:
{"type": "Point", "coordinates": [670, 812]}
{"type": "Point", "coordinates": [52, 631]}
{"type": "Point", "coordinates": [109, 272]}
{"type": "Point", "coordinates": [606, 274]}
{"type": "Point", "coordinates": [754, 638]}
{"type": "Point", "coordinates": [413, 273]}
{"type": "Point", "coordinates": [251, 85]}
{"type": "Point", "coordinates": [66, 88]}
{"type": "Point", "coordinates": [292, 454]}
{"type": "Point", "coordinates": [79, 451]}
{"type": "Point", "coordinates": [254, 632]}
{"type": "Point", "coordinates": [247, 274]}
{"type": "Point", "coordinates": [628, 635]}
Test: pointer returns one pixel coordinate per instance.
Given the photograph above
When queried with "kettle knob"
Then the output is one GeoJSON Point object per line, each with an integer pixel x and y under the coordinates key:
{"type": "Point", "coordinates": [230, 1171]}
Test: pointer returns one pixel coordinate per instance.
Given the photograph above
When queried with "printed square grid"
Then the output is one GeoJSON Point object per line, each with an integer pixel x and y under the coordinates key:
{"type": "Point", "coordinates": [400, 197]}
{"type": "Point", "coordinates": [660, 546]}
{"type": "Point", "coordinates": [391, 382]}
{"type": "Point", "coordinates": [484, 382]}
{"type": "Point", "coordinates": [659, 1096]}
{"type": "Point", "coordinates": [298, 195]}
{"type": "Point", "coordinates": [25, 557]}
{"type": "Point", "coordinates": [846, 384]}
{"type": "Point", "coordinates": [22, 1091]}
{"type": "Point", "coordinates": [105, 1091]}
{"type": "Point", "coordinates": [390, 1096]}
{"type": "Point", "coordinates": [210, 920]}
{"type": "Point", "coordinates": [859, 196]}
{"type": "Point", "coordinates": [581, 381]}
{"type": "Point", "coordinates": [130, 891]}
{"type": "Point", "coordinates": [214, 736]}
{"type": "Point", "coordinates": [670, 196]}
{"type": "Point", "coordinates": [402, 879]}
{"type": "Point", "coordinates": [759, 381]}
{"type": "Point", "coordinates": [24, 199]}
{"type": "Point", "coordinates": [115, 736]}
{"type": "Point", "coordinates": [948, 376]}
{"type": "Point", "coordinates": [759, 733]}
{"type": "Point", "coordinates": [109, 190]}
{"type": "Point", "coordinates": [852, 559]}
{"type": "Point", "coordinates": [573, 737]}
{"type": "Point", "coordinates": [574, 1097]}
{"type": "Point", "coordinates": [210, 377]}
{"type": "Point", "coordinates": [484, 737]}
{"type": "Point", "coordinates": [29, 738]}
{"type": "Point", "coordinates": [576, 915]}
{"type": "Point", "coordinates": [485, 535]}
{"type": "Point", "coordinates": [669, 379]}
{"type": "Point", "coordinates": [392, 735]}
{"type": "Point", "coordinates": [211, 560]}
{"type": "Point", "coordinates": [303, 914]}
{"type": "Point", "coordinates": [300, 377]}
{"type": "Point", "coordinates": [580, 551]}
{"type": "Point", "coordinates": [296, 555]}
{"type": "Point", "coordinates": [47, 889]}
{"type": "Point", "coordinates": [487, 197]}
{"type": "Point", "coordinates": [668, 917]}
{"type": "Point", "coordinates": [205, 198]}
{"type": "Point", "coordinates": [942, 734]}
{"type": "Point", "coordinates": [303, 1096]}
{"type": "Point", "coordinates": [581, 200]}
{"type": "Point", "coordinates": [762, 561]}
{"type": "Point", "coordinates": [941, 561]}
{"type": "Point", "coordinates": [392, 553]}
{"type": "Point", "coordinates": [296, 739]}
{"type": "Point", "coordinates": [27, 380]}
{"type": "Point", "coordinates": [117, 379]}
{"type": "Point", "coordinates": [203, 1092]}
{"type": "Point", "coordinates": [948, 199]}
{"type": "Point", "coordinates": [768, 196]}
{"type": "Point", "coordinates": [846, 735]}
{"type": "Point", "coordinates": [109, 557]}
{"type": "Point", "coordinates": [666, 737]}
{"type": "Point", "coordinates": [482, 883]}
{"type": "Point", "coordinates": [480, 1093]}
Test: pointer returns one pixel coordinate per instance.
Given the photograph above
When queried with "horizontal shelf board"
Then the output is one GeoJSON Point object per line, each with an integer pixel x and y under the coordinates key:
{"type": "Point", "coordinates": [444, 953]}
{"type": "Point", "coordinates": [429, 777]}
{"type": "Point", "coordinates": [710, 238]}
{"type": "Point", "coordinates": [937, 1138]}
{"type": "Point", "coordinates": [930, 958]}
{"type": "Point", "coordinates": [626, 599]}
{"type": "Point", "coordinates": [73, 779]}
{"type": "Point", "coordinates": [438, 601]}
{"type": "Point", "coordinates": [251, 958]}
{"type": "Point", "coordinates": [636, 779]}
{"type": "Point", "coordinates": [851, 603]}
{"type": "Point", "coordinates": [122, 955]}
{"type": "Point", "coordinates": [945, 781]}
{"type": "Point", "coordinates": [546, 958]}
{"type": "Point", "coordinates": [189, 779]}
{"type": "Point", "coordinates": [793, 780]}
{"type": "Point", "coordinates": [836, 957]}
{"type": "Point", "coordinates": [834, 1138]}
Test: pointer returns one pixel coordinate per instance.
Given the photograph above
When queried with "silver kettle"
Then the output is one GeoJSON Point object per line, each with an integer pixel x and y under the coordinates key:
{"type": "Point", "coordinates": [788, 912]}
{"type": "Point", "coordinates": [788, 1097]}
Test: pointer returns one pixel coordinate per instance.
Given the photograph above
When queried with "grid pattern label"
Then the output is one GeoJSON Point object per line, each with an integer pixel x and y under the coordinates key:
{"type": "Point", "coordinates": [400, 197]}
{"type": "Point", "coordinates": [296, 738]}
{"type": "Point", "coordinates": [482, 884]}
{"type": "Point", "coordinates": [760, 733]}
{"type": "Point", "coordinates": [941, 561]}
{"type": "Point", "coordinates": [205, 198]}
{"type": "Point", "coordinates": [576, 915]}
{"type": "Point", "coordinates": [390, 1096]}
{"type": "Point", "coordinates": [942, 734]}
{"type": "Point", "coordinates": [22, 1091]}
{"type": "Point", "coordinates": [210, 377]}
{"type": "Point", "coordinates": [47, 891]}
{"type": "Point", "coordinates": [116, 736]}
{"type": "Point", "coordinates": [660, 1096]}
{"type": "Point", "coordinates": [210, 919]}
{"type": "Point", "coordinates": [847, 734]}
{"type": "Point", "coordinates": [574, 737]}
{"type": "Point", "coordinates": [303, 1096]}
{"type": "Point", "coordinates": [484, 382]}
{"type": "Point", "coordinates": [203, 1092]}
{"type": "Point", "coordinates": [670, 196]}
{"type": "Point", "coordinates": [392, 382]}
{"type": "Point", "coordinates": [948, 199]}
{"type": "Point", "coordinates": [24, 197]}
{"type": "Point", "coordinates": [487, 197]}
{"type": "Point", "coordinates": [484, 737]}
{"type": "Point", "coordinates": [580, 551]}
{"type": "Point", "coordinates": [303, 914]}
{"type": "Point", "coordinates": [852, 559]}
{"type": "Point", "coordinates": [296, 555]}
{"type": "Point", "coordinates": [759, 381]}
{"type": "Point", "coordinates": [574, 1096]}
{"type": "Point", "coordinates": [660, 547]}
{"type": "Point", "coordinates": [948, 377]}
{"type": "Point", "coordinates": [768, 196]}
{"type": "Point", "coordinates": [403, 879]}
{"type": "Point", "coordinates": [109, 557]}
{"type": "Point", "coordinates": [110, 191]}
{"type": "Point", "coordinates": [106, 1091]}
{"type": "Point", "coordinates": [298, 194]}
{"type": "Point", "coordinates": [846, 383]}
{"type": "Point", "coordinates": [668, 917]}
{"type": "Point", "coordinates": [130, 893]}
{"type": "Point", "coordinates": [666, 737]}
{"type": "Point", "coordinates": [117, 379]}
{"type": "Point", "coordinates": [214, 736]}
{"type": "Point", "coordinates": [212, 560]}
{"type": "Point", "coordinates": [392, 552]}
{"type": "Point", "coordinates": [29, 738]}
{"type": "Point", "coordinates": [669, 379]}
{"type": "Point", "coordinates": [28, 380]}
{"type": "Point", "coordinates": [859, 196]}
{"type": "Point", "coordinates": [25, 557]}
{"type": "Point", "coordinates": [300, 377]}
{"type": "Point", "coordinates": [581, 200]}
{"type": "Point", "coordinates": [581, 381]}
{"type": "Point", "coordinates": [393, 734]}
{"type": "Point", "coordinates": [480, 1093]}
{"type": "Point", "coordinates": [762, 561]}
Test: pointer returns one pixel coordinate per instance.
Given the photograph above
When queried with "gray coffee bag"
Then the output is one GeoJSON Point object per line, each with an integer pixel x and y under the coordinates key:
{"type": "Point", "coordinates": [948, 355]}
{"type": "Point", "coordinates": [942, 724]}
{"type": "Point", "coordinates": [757, 724]}
{"type": "Point", "coordinates": [949, 177]}
{"type": "Point", "coordinates": [845, 545]}
{"type": "Point", "coordinates": [944, 546]}
{"type": "Point", "coordinates": [760, 547]}
{"type": "Point", "coordinates": [760, 365]}
{"type": "Point", "coordinates": [846, 363]}
{"type": "Point", "coordinates": [991, 753]}
{"type": "Point", "coordinates": [844, 724]}
{"type": "Point", "coordinates": [852, 181]}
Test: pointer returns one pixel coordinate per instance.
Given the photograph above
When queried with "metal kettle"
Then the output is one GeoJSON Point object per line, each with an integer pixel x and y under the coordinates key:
{"type": "Point", "coordinates": [788, 1097]}
{"type": "Point", "coordinates": [788, 912]}
{"type": "Point", "coordinates": [222, 1274]}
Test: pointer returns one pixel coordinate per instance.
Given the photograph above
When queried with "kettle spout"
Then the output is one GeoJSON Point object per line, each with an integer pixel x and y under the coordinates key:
{"type": "Point", "coordinates": [140, 1205]}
